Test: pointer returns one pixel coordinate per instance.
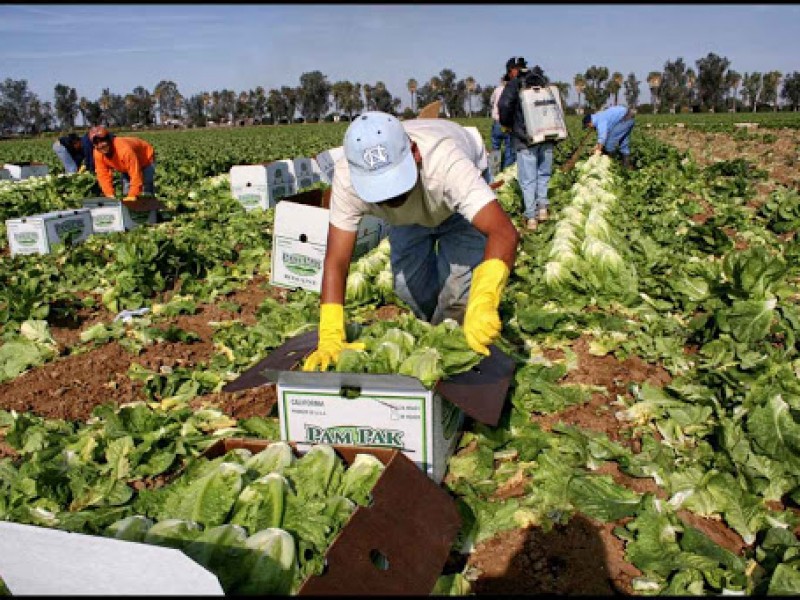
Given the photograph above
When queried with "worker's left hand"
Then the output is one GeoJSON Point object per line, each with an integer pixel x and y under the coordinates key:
{"type": "Point", "coordinates": [598, 149]}
{"type": "Point", "coordinates": [482, 322]}
{"type": "Point", "coordinates": [82, 169]}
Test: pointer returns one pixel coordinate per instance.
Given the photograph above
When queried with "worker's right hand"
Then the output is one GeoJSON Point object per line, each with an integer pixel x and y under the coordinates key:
{"type": "Point", "coordinates": [332, 339]}
{"type": "Point", "coordinates": [598, 149]}
{"type": "Point", "coordinates": [82, 169]}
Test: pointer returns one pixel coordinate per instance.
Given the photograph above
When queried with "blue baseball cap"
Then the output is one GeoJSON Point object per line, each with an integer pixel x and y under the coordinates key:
{"type": "Point", "coordinates": [378, 152]}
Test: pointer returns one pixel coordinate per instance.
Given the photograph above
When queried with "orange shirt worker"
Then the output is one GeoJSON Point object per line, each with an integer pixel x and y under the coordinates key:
{"type": "Point", "coordinates": [132, 157]}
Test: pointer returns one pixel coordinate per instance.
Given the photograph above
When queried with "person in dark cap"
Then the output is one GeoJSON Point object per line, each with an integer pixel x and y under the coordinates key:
{"type": "Point", "coordinates": [614, 126]}
{"type": "Point", "coordinates": [75, 153]}
{"type": "Point", "coordinates": [534, 161]}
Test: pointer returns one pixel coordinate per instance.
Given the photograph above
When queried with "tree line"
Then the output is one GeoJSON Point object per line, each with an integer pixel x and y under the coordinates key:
{"type": "Point", "coordinates": [712, 86]}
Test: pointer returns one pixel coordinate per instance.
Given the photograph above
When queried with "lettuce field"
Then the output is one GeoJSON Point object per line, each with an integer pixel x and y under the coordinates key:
{"type": "Point", "coordinates": [650, 440]}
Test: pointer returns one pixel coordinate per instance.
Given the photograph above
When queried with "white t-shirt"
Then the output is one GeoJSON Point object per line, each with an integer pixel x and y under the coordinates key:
{"type": "Point", "coordinates": [495, 99]}
{"type": "Point", "coordinates": [450, 181]}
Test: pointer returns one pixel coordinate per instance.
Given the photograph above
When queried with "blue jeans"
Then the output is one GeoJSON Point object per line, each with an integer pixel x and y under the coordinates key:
{"type": "Point", "coordinates": [65, 158]}
{"type": "Point", "coordinates": [148, 180]}
{"type": "Point", "coordinates": [619, 136]}
{"type": "Point", "coordinates": [498, 139]}
{"type": "Point", "coordinates": [432, 266]}
{"type": "Point", "coordinates": [534, 167]}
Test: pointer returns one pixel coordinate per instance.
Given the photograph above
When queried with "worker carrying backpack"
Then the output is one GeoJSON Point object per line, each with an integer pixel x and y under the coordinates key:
{"type": "Point", "coordinates": [541, 108]}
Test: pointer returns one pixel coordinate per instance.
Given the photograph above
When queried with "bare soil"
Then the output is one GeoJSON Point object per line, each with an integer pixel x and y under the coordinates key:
{"type": "Point", "coordinates": [777, 151]}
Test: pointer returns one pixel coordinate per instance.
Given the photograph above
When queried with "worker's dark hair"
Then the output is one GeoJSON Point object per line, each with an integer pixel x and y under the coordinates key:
{"type": "Point", "coordinates": [587, 118]}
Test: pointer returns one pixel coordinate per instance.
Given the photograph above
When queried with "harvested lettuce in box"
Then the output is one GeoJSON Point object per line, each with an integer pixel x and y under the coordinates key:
{"type": "Point", "coordinates": [261, 522]}
{"type": "Point", "coordinates": [409, 346]}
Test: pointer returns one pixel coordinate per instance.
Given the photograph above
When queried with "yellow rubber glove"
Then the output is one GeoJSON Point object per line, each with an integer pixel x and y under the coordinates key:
{"type": "Point", "coordinates": [332, 339]}
{"type": "Point", "coordinates": [481, 322]}
{"type": "Point", "coordinates": [129, 199]}
{"type": "Point", "coordinates": [82, 169]}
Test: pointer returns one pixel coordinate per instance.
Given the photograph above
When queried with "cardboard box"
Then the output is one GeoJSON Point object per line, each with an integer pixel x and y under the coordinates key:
{"type": "Point", "coordinates": [396, 546]}
{"type": "Point", "coordinates": [37, 234]}
{"type": "Point", "coordinates": [300, 238]}
{"type": "Point", "coordinates": [262, 186]}
{"type": "Point", "coordinates": [23, 170]}
{"type": "Point", "coordinates": [356, 409]}
{"type": "Point", "coordinates": [281, 180]}
{"type": "Point", "coordinates": [371, 410]}
{"type": "Point", "coordinates": [109, 215]}
{"type": "Point", "coordinates": [326, 161]}
{"type": "Point", "coordinates": [249, 186]}
{"type": "Point", "coordinates": [305, 173]}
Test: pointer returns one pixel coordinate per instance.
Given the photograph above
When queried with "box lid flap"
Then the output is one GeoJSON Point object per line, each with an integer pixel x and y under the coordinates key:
{"type": "Point", "coordinates": [480, 392]}
{"type": "Point", "coordinates": [396, 546]}
{"type": "Point", "coordinates": [145, 205]}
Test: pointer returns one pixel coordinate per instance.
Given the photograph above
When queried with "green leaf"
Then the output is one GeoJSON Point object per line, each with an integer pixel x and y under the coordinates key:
{"type": "Point", "coordinates": [601, 498]}
{"type": "Point", "coordinates": [775, 432]}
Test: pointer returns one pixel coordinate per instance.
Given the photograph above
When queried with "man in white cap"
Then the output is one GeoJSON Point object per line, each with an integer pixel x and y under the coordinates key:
{"type": "Point", "coordinates": [452, 245]}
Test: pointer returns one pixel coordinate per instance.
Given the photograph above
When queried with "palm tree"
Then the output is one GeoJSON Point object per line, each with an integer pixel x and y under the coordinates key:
{"type": "Point", "coordinates": [158, 92]}
{"type": "Point", "coordinates": [84, 107]}
{"type": "Point", "coordinates": [470, 82]}
{"type": "Point", "coordinates": [579, 83]}
{"type": "Point", "coordinates": [412, 89]}
{"type": "Point", "coordinates": [654, 82]}
{"type": "Point", "coordinates": [691, 79]}
{"type": "Point", "coordinates": [368, 96]}
{"type": "Point", "coordinates": [732, 81]}
{"type": "Point", "coordinates": [105, 103]}
{"type": "Point", "coordinates": [436, 84]}
{"type": "Point", "coordinates": [206, 103]}
{"type": "Point", "coordinates": [563, 90]}
{"type": "Point", "coordinates": [618, 79]}
{"type": "Point", "coordinates": [179, 106]}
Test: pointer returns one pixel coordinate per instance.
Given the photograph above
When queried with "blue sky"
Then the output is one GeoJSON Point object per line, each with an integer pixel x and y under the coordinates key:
{"type": "Point", "coordinates": [204, 47]}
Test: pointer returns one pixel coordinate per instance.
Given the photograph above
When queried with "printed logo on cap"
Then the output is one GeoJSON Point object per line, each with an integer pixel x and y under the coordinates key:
{"type": "Point", "coordinates": [376, 157]}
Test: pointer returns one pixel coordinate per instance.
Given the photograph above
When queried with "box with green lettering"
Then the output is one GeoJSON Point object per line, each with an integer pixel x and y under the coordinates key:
{"type": "Point", "coordinates": [384, 411]}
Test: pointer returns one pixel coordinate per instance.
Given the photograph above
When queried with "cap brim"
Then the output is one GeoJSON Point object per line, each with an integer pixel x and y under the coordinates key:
{"type": "Point", "coordinates": [387, 184]}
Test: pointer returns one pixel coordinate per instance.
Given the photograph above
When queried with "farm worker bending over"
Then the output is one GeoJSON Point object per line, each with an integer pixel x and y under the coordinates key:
{"type": "Point", "coordinates": [132, 157]}
{"type": "Point", "coordinates": [534, 161]}
{"type": "Point", "coordinates": [75, 153]}
{"type": "Point", "coordinates": [614, 126]}
{"type": "Point", "coordinates": [452, 245]}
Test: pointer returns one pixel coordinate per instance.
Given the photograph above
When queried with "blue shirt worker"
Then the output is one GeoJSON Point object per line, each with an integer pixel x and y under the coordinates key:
{"type": "Point", "coordinates": [75, 153]}
{"type": "Point", "coordinates": [614, 126]}
{"type": "Point", "coordinates": [452, 244]}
